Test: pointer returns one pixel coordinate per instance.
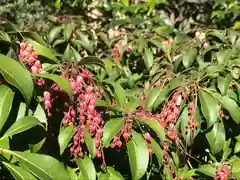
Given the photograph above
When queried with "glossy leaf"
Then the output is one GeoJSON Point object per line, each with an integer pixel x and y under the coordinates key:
{"type": "Point", "coordinates": [223, 84]}
{"type": "Point", "coordinates": [21, 125]}
{"type": "Point", "coordinates": [91, 60]}
{"type": "Point", "coordinates": [156, 94]}
{"type": "Point", "coordinates": [63, 83]}
{"type": "Point", "coordinates": [42, 166]}
{"type": "Point", "coordinates": [111, 129]}
{"type": "Point", "coordinates": [155, 126]}
{"type": "Point", "coordinates": [157, 151]}
{"type": "Point", "coordinates": [18, 76]}
{"type": "Point", "coordinates": [34, 148]}
{"type": "Point", "coordinates": [110, 174]}
{"type": "Point", "coordinates": [216, 137]}
{"type": "Point", "coordinates": [207, 170]}
{"type": "Point", "coordinates": [119, 93]}
{"type": "Point", "coordinates": [40, 114]}
{"type": "Point", "coordinates": [72, 174]}
{"type": "Point", "coordinates": [6, 99]}
{"type": "Point", "coordinates": [42, 50]}
{"type": "Point", "coordinates": [67, 32]}
{"type": "Point", "coordinates": [209, 107]}
{"type": "Point", "coordinates": [148, 58]}
{"type": "Point", "coordinates": [138, 155]}
{"type": "Point", "coordinates": [230, 105]}
{"type": "Point", "coordinates": [87, 168]}
{"type": "Point", "coordinates": [65, 137]}
{"type": "Point", "coordinates": [189, 57]}
{"type": "Point", "coordinates": [54, 33]}
{"type": "Point", "coordinates": [19, 173]}
{"type": "Point", "coordinates": [90, 142]}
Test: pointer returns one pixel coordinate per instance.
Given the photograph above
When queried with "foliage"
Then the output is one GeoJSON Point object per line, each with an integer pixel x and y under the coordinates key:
{"type": "Point", "coordinates": [109, 95]}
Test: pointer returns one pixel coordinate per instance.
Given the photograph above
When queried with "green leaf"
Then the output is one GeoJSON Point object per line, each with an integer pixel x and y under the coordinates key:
{"type": "Point", "coordinates": [34, 36]}
{"type": "Point", "coordinates": [230, 105]}
{"type": "Point", "coordinates": [54, 33]}
{"type": "Point", "coordinates": [63, 83]}
{"type": "Point", "coordinates": [232, 35]}
{"type": "Point", "coordinates": [6, 99]}
{"type": "Point", "coordinates": [217, 34]}
{"type": "Point", "coordinates": [148, 58]}
{"type": "Point", "coordinates": [223, 84]}
{"type": "Point", "coordinates": [67, 31]}
{"type": "Point", "coordinates": [57, 42]}
{"type": "Point", "coordinates": [19, 173]}
{"type": "Point", "coordinates": [111, 129]}
{"type": "Point", "coordinates": [236, 168]}
{"type": "Point", "coordinates": [42, 166]}
{"type": "Point", "coordinates": [189, 57]}
{"type": "Point", "coordinates": [85, 42]}
{"type": "Point", "coordinates": [207, 170]}
{"type": "Point", "coordinates": [119, 93]}
{"type": "Point", "coordinates": [237, 148]}
{"type": "Point", "coordinates": [18, 76]}
{"type": "Point", "coordinates": [90, 142]}
{"type": "Point", "coordinates": [21, 110]}
{"type": "Point", "coordinates": [216, 137]}
{"type": "Point", "coordinates": [87, 168]}
{"type": "Point", "coordinates": [209, 107]}
{"type": "Point", "coordinates": [40, 114]}
{"type": "Point", "coordinates": [110, 174]}
{"type": "Point", "coordinates": [157, 151]}
{"type": "Point", "coordinates": [34, 148]}
{"type": "Point", "coordinates": [72, 174]}
{"type": "Point", "coordinates": [65, 137]}
{"type": "Point", "coordinates": [223, 56]}
{"type": "Point", "coordinates": [155, 125]}
{"type": "Point", "coordinates": [42, 50]}
{"type": "Point", "coordinates": [156, 94]}
{"type": "Point", "coordinates": [138, 155]}
{"type": "Point", "coordinates": [91, 60]}
{"type": "Point", "coordinates": [21, 125]}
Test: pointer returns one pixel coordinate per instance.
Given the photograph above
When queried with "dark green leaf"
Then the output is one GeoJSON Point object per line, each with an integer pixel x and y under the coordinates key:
{"type": "Point", "coordinates": [17, 76]}
{"type": "Point", "coordinates": [90, 142]}
{"type": "Point", "coordinates": [111, 129]}
{"type": "Point", "coordinates": [63, 83]}
{"type": "Point", "coordinates": [223, 84]}
{"type": "Point", "coordinates": [155, 125]}
{"type": "Point", "coordinates": [87, 168]}
{"type": "Point", "coordinates": [19, 173]}
{"type": "Point", "coordinates": [223, 56]}
{"type": "Point", "coordinates": [209, 107]}
{"type": "Point", "coordinates": [189, 57]}
{"type": "Point", "coordinates": [216, 137]}
{"type": "Point", "coordinates": [138, 155]}
{"type": "Point", "coordinates": [22, 125]}
{"type": "Point", "coordinates": [91, 60]}
{"type": "Point", "coordinates": [6, 99]}
{"type": "Point", "coordinates": [65, 137]}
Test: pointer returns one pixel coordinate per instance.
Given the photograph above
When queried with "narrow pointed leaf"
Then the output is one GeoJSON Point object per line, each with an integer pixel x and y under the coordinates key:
{"type": "Point", "coordinates": [90, 142]}
{"type": "Point", "coordinates": [22, 125]}
{"type": "Point", "coordinates": [42, 166]}
{"type": "Point", "coordinates": [111, 129]}
{"type": "Point", "coordinates": [189, 57]}
{"type": "Point", "coordinates": [87, 168]}
{"type": "Point", "coordinates": [156, 94]}
{"type": "Point", "coordinates": [148, 58]}
{"type": "Point", "coordinates": [54, 33]}
{"type": "Point", "coordinates": [157, 151]}
{"type": "Point", "coordinates": [19, 173]}
{"type": "Point", "coordinates": [15, 74]}
{"type": "Point", "coordinates": [209, 107]}
{"type": "Point", "coordinates": [6, 99]}
{"type": "Point", "coordinates": [72, 174]}
{"type": "Point", "coordinates": [67, 32]}
{"type": "Point", "coordinates": [138, 155]}
{"type": "Point", "coordinates": [223, 84]}
{"type": "Point", "coordinates": [155, 126]}
{"type": "Point", "coordinates": [40, 114]}
{"type": "Point", "coordinates": [65, 137]}
{"type": "Point", "coordinates": [63, 83]}
{"type": "Point", "coordinates": [91, 60]}
{"type": "Point", "coordinates": [216, 137]}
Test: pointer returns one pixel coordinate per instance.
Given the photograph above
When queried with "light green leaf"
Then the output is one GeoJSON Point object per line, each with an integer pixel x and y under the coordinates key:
{"type": "Point", "coordinates": [138, 155]}
{"type": "Point", "coordinates": [18, 76]}
{"type": "Point", "coordinates": [111, 129]}
{"type": "Point", "coordinates": [236, 168]}
{"type": "Point", "coordinates": [209, 107]}
{"type": "Point", "coordinates": [72, 174]}
{"type": "Point", "coordinates": [237, 148]}
{"type": "Point", "coordinates": [21, 125]}
{"type": "Point", "coordinates": [63, 83]}
{"type": "Point", "coordinates": [216, 137]}
{"type": "Point", "coordinates": [91, 60]}
{"type": "Point", "coordinates": [19, 173]}
{"type": "Point", "coordinates": [67, 31]}
{"type": "Point", "coordinates": [111, 174]}
{"type": "Point", "coordinates": [157, 151]}
{"type": "Point", "coordinates": [65, 137]}
{"type": "Point", "coordinates": [155, 125]}
{"type": "Point", "coordinates": [148, 58]}
{"type": "Point", "coordinates": [42, 166]}
{"type": "Point", "coordinates": [40, 114]}
{"type": "Point", "coordinates": [87, 168]}
{"type": "Point", "coordinates": [207, 170]}
{"type": "Point", "coordinates": [223, 83]}
{"type": "Point", "coordinates": [6, 99]}
{"type": "Point", "coordinates": [42, 50]}
{"type": "Point", "coordinates": [189, 57]}
{"type": "Point", "coordinates": [54, 33]}
{"type": "Point", "coordinates": [34, 148]}
{"type": "Point", "coordinates": [90, 142]}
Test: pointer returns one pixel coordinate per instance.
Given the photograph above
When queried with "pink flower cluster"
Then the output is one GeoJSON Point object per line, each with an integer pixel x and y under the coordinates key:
{"type": "Point", "coordinates": [223, 173]}
{"type": "Point", "coordinates": [29, 56]}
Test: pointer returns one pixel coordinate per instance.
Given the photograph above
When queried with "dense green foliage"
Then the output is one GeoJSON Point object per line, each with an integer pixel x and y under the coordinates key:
{"type": "Point", "coordinates": [119, 90]}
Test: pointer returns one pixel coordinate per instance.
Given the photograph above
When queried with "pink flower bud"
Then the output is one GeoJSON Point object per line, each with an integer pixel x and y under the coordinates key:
{"type": "Point", "coordinates": [47, 95]}
{"type": "Point", "coordinates": [22, 46]}
{"type": "Point", "coordinates": [34, 69]}
{"type": "Point", "coordinates": [147, 136]}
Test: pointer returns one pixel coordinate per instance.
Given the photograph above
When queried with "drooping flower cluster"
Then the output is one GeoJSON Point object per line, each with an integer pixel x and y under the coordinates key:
{"type": "Point", "coordinates": [29, 56]}
{"type": "Point", "coordinates": [223, 173]}
{"type": "Point", "coordinates": [47, 98]}
{"type": "Point", "coordinates": [116, 53]}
